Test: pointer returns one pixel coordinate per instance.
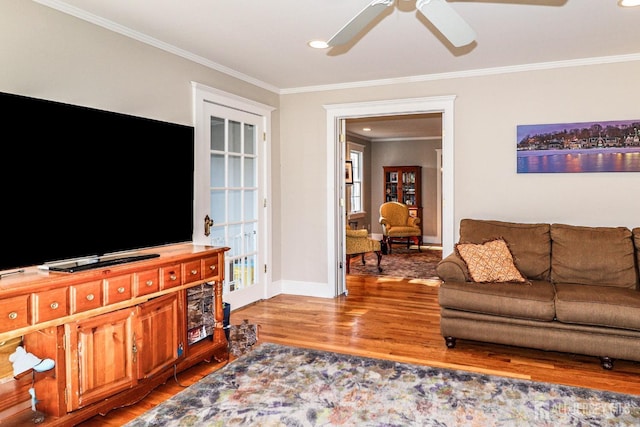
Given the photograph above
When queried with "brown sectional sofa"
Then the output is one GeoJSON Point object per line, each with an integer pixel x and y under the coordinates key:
{"type": "Point", "coordinates": [581, 294]}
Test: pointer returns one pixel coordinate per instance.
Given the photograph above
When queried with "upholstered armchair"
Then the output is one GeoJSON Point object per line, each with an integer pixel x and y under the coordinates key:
{"type": "Point", "coordinates": [358, 242]}
{"type": "Point", "coordinates": [397, 224]}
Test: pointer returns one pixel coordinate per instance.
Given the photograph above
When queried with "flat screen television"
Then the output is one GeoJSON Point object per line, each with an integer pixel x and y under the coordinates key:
{"type": "Point", "coordinates": [79, 182]}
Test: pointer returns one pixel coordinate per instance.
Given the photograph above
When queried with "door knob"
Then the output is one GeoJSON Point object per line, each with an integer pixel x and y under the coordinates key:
{"type": "Point", "coordinates": [208, 222]}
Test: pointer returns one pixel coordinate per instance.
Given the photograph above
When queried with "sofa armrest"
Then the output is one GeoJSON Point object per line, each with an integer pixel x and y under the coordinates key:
{"type": "Point", "coordinates": [453, 269]}
{"type": "Point", "coordinates": [413, 221]}
{"type": "Point", "coordinates": [357, 233]}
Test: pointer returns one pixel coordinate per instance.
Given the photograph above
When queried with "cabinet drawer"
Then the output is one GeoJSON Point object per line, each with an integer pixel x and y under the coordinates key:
{"type": "Point", "coordinates": [211, 269]}
{"type": "Point", "coordinates": [118, 289]}
{"type": "Point", "coordinates": [171, 276]}
{"type": "Point", "coordinates": [147, 282]}
{"type": "Point", "coordinates": [86, 296]}
{"type": "Point", "coordinates": [192, 271]}
{"type": "Point", "coordinates": [51, 305]}
{"type": "Point", "coordinates": [14, 313]}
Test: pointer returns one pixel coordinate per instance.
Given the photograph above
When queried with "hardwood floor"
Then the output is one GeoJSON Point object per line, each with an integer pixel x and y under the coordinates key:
{"type": "Point", "coordinates": [397, 320]}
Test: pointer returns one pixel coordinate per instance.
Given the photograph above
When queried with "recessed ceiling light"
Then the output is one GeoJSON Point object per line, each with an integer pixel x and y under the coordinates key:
{"type": "Point", "coordinates": [366, 129]}
{"type": "Point", "coordinates": [318, 44]}
{"type": "Point", "coordinates": [629, 3]}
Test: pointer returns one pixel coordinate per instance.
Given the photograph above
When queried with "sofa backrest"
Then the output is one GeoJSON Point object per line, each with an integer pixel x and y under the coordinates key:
{"type": "Point", "coordinates": [602, 256]}
{"type": "Point", "coordinates": [530, 244]}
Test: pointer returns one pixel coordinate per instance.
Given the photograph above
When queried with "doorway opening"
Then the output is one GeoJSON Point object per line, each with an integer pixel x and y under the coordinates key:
{"type": "Point", "coordinates": [395, 159]}
{"type": "Point", "coordinates": [394, 141]}
{"type": "Point", "coordinates": [337, 114]}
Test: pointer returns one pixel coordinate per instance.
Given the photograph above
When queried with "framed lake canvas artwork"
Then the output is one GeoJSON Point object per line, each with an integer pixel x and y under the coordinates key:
{"type": "Point", "coordinates": [607, 146]}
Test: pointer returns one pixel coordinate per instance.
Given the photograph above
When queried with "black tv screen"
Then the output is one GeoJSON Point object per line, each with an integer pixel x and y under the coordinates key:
{"type": "Point", "coordinates": [81, 182]}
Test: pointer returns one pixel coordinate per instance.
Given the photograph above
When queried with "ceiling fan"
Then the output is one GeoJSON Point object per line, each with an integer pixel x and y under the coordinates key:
{"type": "Point", "coordinates": [438, 12]}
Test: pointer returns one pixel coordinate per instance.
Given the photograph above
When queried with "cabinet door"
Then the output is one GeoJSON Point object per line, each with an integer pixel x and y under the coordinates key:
{"type": "Point", "coordinates": [157, 335]}
{"type": "Point", "coordinates": [99, 357]}
{"type": "Point", "coordinates": [391, 184]}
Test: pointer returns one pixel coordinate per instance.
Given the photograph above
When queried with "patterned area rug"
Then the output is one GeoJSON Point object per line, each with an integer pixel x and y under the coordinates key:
{"type": "Point", "coordinates": [402, 262]}
{"type": "Point", "coordinates": [276, 385]}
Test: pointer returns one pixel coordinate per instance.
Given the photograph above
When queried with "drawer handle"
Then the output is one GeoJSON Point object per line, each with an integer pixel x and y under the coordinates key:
{"type": "Point", "coordinates": [54, 305]}
{"type": "Point", "coordinates": [13, 315]}
{"type": "Point", "coordinates": [212, 268]}
{"type": "Point", "coordinates": [149, 283]}
{"type": "Point", "coordinates": [173, 276]}
{"type": "Point", "coordinates": [194, 272]}
{"type": "Point", "coordinates": [90, 297]}
{"type": "Point", "coordinates": [121, 290]}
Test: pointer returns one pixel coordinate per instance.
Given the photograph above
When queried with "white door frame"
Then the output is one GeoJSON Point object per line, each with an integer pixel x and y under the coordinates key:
{"type": "Point", "coordinates": [335, 170]}
{"type": "Point", "coordinates": [206, 95]}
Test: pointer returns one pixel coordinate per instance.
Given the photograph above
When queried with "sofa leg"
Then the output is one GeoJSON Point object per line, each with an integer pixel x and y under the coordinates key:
{"type": "Point", "coordinates": [607, 363]}
{"type": "Point", "coordinates": [450, 342]}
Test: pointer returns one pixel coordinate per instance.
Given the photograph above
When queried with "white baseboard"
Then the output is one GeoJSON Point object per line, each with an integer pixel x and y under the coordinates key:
{"type": "Point", "coordinates": [307, 289]}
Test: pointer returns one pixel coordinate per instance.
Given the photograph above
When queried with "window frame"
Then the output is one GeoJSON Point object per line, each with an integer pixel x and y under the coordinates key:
{"type": "Point", "coordinates": [356, 155]}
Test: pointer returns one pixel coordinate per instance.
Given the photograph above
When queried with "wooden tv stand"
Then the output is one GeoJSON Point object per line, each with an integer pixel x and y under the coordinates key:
{"type": "Point", "coordinates": [115, 333]}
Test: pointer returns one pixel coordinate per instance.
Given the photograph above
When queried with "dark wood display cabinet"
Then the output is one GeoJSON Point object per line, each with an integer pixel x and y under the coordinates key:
{"type": "Point", "coordinates": [404, 184]}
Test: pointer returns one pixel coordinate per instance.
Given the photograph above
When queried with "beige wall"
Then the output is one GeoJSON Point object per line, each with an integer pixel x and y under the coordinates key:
{"type": "Point", "coordinates": [51, 55]}
{"type": "Point", "coordinates": [487, 111]}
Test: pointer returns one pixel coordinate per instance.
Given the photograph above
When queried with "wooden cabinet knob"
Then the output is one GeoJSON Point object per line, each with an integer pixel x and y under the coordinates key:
{"type": "Point", "coordinates": [194, 272]}
{"type": "Point", "coordinates": [149, 283]}
{"type": "Point", "coordinates": [121, 290]}
{"type": "Point", "coordinates": [173, 277]}
{"type": "Point", "coordinates": [90, 297]}
{"type": "Point", "coordinates": [212, 268]}
{"type": "Point", "coordinates": [54, 305]}
{"type": "Point", "coordinates": [13, 315]}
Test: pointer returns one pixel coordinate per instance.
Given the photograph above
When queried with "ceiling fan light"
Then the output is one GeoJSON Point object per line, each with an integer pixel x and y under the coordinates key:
{"type": "Point", "coordinates": [318, 44]}
{"type": "Point", "coordinates": [629, 3]}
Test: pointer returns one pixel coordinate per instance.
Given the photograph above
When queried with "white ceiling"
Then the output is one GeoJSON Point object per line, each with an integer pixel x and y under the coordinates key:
{"type": "Point", "coordinates": [265, 41]}
{"type": "Point", "coordinates": [396, 128]}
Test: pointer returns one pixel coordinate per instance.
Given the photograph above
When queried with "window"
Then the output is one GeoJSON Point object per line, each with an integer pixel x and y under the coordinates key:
{"type": "Point", "coordinates": [356, 156]}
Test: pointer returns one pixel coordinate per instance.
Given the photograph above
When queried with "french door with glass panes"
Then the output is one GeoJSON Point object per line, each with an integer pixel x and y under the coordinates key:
{"type": "Point", "coordinates": [229, 200]}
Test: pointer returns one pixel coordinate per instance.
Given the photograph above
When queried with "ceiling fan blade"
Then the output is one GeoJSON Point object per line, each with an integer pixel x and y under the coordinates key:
{"type": "Point", "coordinates": [358, 22]}
{"type": "Point", "coordinates": [447, 21]}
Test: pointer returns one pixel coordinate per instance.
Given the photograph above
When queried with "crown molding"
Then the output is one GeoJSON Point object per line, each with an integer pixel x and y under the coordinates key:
{"type": "Point", "coordinates": [128, 32]}
{"type": "Point", "coordinates": [469, 73]}
{"type": "Point", "coordinates": [110, 25]}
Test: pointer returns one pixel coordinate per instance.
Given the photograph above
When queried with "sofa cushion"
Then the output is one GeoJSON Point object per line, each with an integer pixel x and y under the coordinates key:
{"type": "Point", "coordinates": [534, 301]}
{"type": "Point", "coordinates": [593, 256]}
{"type": "Point", "coordinates": [530, 244]}
{"type": "Point", "coordinates": [606, 306]}
{"type": "Point", "coordinates": [490, 261]}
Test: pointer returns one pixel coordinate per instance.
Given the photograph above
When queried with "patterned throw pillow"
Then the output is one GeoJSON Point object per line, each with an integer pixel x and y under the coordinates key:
{"type": "Point", "coordinates": [489, 262]}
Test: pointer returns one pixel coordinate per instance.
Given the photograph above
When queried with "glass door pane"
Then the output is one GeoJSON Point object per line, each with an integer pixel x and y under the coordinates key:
{"type": "Point", "coordinates": [230, 207]}
{"type": "Point", "coordinates": [234, 198]}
